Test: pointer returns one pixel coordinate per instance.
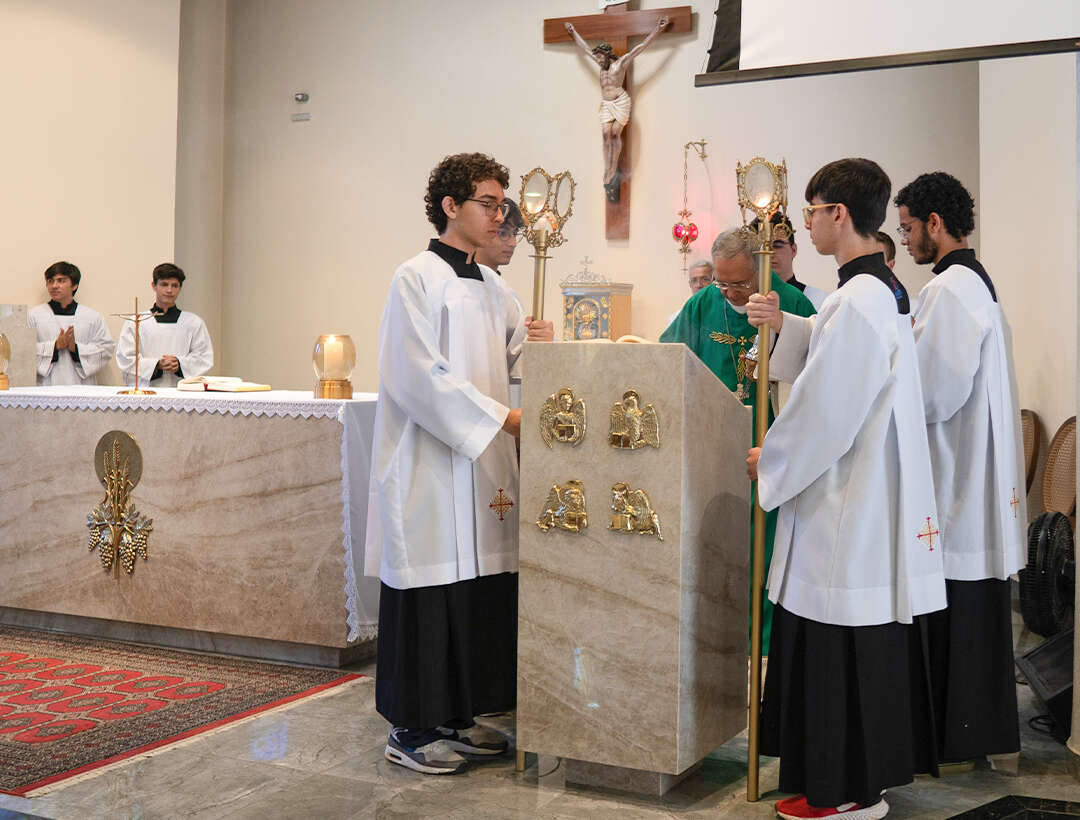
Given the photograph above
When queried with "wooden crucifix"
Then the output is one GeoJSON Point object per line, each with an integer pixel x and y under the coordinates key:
{"type": "Point", "coordinates": [614, 56]}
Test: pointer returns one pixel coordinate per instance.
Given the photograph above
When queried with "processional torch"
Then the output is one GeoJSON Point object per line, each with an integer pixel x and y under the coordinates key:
{"type": "Point", "coordinates": [546, 203]}
{"type": "Point", "coordinates": [762, 189]}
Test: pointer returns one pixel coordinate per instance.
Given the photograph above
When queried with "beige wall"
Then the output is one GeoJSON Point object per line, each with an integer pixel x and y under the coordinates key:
{"type": "Point", "coordinates": [200, 155]}
{"type": "Point", "coordinates": [1028, 216]}
{"type": "Point", "coordinates": [89, 146]}
{"type": "Point", "coordinates": [318, 214]}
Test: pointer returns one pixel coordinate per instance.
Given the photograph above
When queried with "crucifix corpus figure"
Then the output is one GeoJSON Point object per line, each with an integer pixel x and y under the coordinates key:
{"type": "Point", "coordinates": [614, 98]}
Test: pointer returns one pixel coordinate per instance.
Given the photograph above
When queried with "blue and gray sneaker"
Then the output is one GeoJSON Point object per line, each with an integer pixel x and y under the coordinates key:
{"type": "Point", "coordinates": [434, 757]}
{"type": "Point", "coordinates": [476, 740]}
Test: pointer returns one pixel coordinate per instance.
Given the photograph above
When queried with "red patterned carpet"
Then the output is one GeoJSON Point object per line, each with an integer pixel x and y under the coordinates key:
{"type": "Point", "coordinates": [70, 705]}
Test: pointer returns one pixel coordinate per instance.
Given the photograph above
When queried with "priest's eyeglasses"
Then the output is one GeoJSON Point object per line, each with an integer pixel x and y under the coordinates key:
{"type": "Point", "coordinates": [903, 230]}
{"type": "Point", "coordinates": [492, 207]}
{"type": "Point", "coordinates": [738, 287]}
{"type": "Point", "coordinates": [808, 211]}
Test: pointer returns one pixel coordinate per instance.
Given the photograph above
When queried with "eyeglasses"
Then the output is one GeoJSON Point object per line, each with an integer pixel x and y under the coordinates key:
{"type": "Point", "coordinates": [903, 230]}
{"type": "Point", "coordinates": [505, 232]}
{"type": "Point", "coordinates": [808, 211]}
{"type": "Point", "coordinates": [736, 286]}
{"type": "Point", "coordinates": [492, 206]}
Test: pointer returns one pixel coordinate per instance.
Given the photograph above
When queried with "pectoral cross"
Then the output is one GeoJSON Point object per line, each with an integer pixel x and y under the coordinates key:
{"type": "Point", "coordinates": [928, 534]}
{"type": "Point", "coordinates": [616, 26]}
{"type": "Point", "coordinates": [1015, 502]}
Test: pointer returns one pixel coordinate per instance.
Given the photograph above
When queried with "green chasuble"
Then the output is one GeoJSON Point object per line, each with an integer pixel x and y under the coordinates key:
{"type": "Point", "coordinates": [719, 334]}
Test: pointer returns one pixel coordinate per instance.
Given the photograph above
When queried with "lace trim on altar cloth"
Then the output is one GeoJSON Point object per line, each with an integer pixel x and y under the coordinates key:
{"type": "Point", "coordinates": [352, 593]}
{"type": "Point", "coordinates": [289, 403]}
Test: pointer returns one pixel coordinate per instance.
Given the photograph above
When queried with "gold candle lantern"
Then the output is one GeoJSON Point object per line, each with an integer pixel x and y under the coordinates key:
{"type": "Point", "coordinates": [5, 360]}
{"type": "Point", "coordinates": [762, 190]}
{"type": "Point", "coordinates": [546, 202]}
{"type": "Point", "coordinates": [333, 358]}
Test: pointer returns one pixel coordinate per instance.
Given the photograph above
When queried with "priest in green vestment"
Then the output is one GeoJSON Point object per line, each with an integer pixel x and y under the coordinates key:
{"type": "Point", "coordinates": [713, 324]}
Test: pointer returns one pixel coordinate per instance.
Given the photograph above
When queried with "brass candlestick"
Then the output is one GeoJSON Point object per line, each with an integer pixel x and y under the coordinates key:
{"type": "Point", "coordinates": [762, 188]}
{"type": "Point", "coordinates": [136, 318]}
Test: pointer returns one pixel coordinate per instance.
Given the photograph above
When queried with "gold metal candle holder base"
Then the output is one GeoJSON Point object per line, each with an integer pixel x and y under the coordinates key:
{"type": "Point", "coordinates": [333, 389]}
{"type": "Point", "coordinates": [134, 392]}
{"type": "Point", "coordinates": [4, 383]}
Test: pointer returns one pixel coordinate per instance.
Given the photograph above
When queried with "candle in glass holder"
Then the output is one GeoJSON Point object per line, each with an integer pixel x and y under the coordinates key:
{"type": "Point", "coordinates": [333, 358]}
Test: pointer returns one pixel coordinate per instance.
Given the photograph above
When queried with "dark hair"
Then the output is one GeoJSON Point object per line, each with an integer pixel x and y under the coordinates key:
{"type": "Point", "coordinates": [457, 177]}
{"type": "Point", "coordinates": [941, 194]}
{"type": "Point", "coordinates": [167, 270]}
{"type": "Point", "coordinates": [859, 184]}
{"type": "Point", "coordinates": [513, 216]}
{"type": "Point", "coordinates": [605, 49]}
{"type": "Point", "coordinates": [64, 269]}
{"type": "Point", "coordinates": [777, 219]}
{"type": "Point", "coordinates": [890, 246]}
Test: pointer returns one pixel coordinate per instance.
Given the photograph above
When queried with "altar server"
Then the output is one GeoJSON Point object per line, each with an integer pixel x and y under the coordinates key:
{"type": "Point", "coordinates": [173, 344]}
{"type": "Point", "coordinates": [500, 251]}
{"type": "Point", "coordinates": [443, 511]}
{"type": "Point", "coordinates": [973, 421]}
{"type": "Point", "coordinates": [73, 343]}
{"type": "Point", "coordinates": [857, 556]}
{"type": "Point", "coordinates": [784, 251]}
{"type": "Point", "coordinates": [713, 324]}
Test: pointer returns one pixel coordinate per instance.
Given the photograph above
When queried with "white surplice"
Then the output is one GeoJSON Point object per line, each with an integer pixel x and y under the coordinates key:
{"type": "Point", "coordinates": [187, 339]}
{"type": "Point", "coordinates": [847, 463]}
{"type": "Point", "coordinates": [973, 422]}
{"type": "Point", "coordinates": [95, 345]}
{"type": "Point", "coordinates": [442, 472]}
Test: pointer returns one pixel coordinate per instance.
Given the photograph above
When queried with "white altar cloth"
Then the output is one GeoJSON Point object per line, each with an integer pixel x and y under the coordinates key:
{"type": "Point", "coordinates": [356, 415]}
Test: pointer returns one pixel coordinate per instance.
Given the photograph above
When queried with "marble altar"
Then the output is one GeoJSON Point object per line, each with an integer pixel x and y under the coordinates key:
{"type": "Point", "coordinates": [254, 500]}
{"type": "Point", "coordinates": [631, 649]}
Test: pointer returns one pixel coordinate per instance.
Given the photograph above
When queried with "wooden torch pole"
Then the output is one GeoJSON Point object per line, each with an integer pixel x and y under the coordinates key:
{"type": "Point", "coordinates": [761, 426]}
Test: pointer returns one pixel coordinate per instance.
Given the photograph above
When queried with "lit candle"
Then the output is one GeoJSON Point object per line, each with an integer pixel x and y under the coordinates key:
{"type": "Point", "coordinates": [543, 224]}
{"type": "Point", "coordinates": [334, 358]}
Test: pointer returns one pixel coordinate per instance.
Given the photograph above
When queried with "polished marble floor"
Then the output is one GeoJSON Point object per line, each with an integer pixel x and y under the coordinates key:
{"type": "Point", "coordinates": [323, 759]}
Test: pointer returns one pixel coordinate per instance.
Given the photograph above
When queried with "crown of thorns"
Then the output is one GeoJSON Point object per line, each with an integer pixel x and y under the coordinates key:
{"type": "Point", "coordinates": [604, 48]}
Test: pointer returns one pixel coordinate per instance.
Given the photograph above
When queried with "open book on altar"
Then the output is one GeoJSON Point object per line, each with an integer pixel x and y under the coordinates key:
{"type": "Point", "coordinates": [221, 384]}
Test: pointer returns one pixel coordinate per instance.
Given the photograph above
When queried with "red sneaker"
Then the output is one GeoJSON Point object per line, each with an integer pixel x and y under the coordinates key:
{"type": "Point", "coordinates": [796, 808]}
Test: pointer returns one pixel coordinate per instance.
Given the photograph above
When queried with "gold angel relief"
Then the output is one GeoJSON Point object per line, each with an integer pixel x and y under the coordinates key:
{"type": "Point", "coordinates": [633, 426]}
{"type": "Point", "coordinates": [632, 511]}
{"type": "Point", "coordinates": [564, 508]}
{"type": "Point", "coordinates": [562, 418]}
